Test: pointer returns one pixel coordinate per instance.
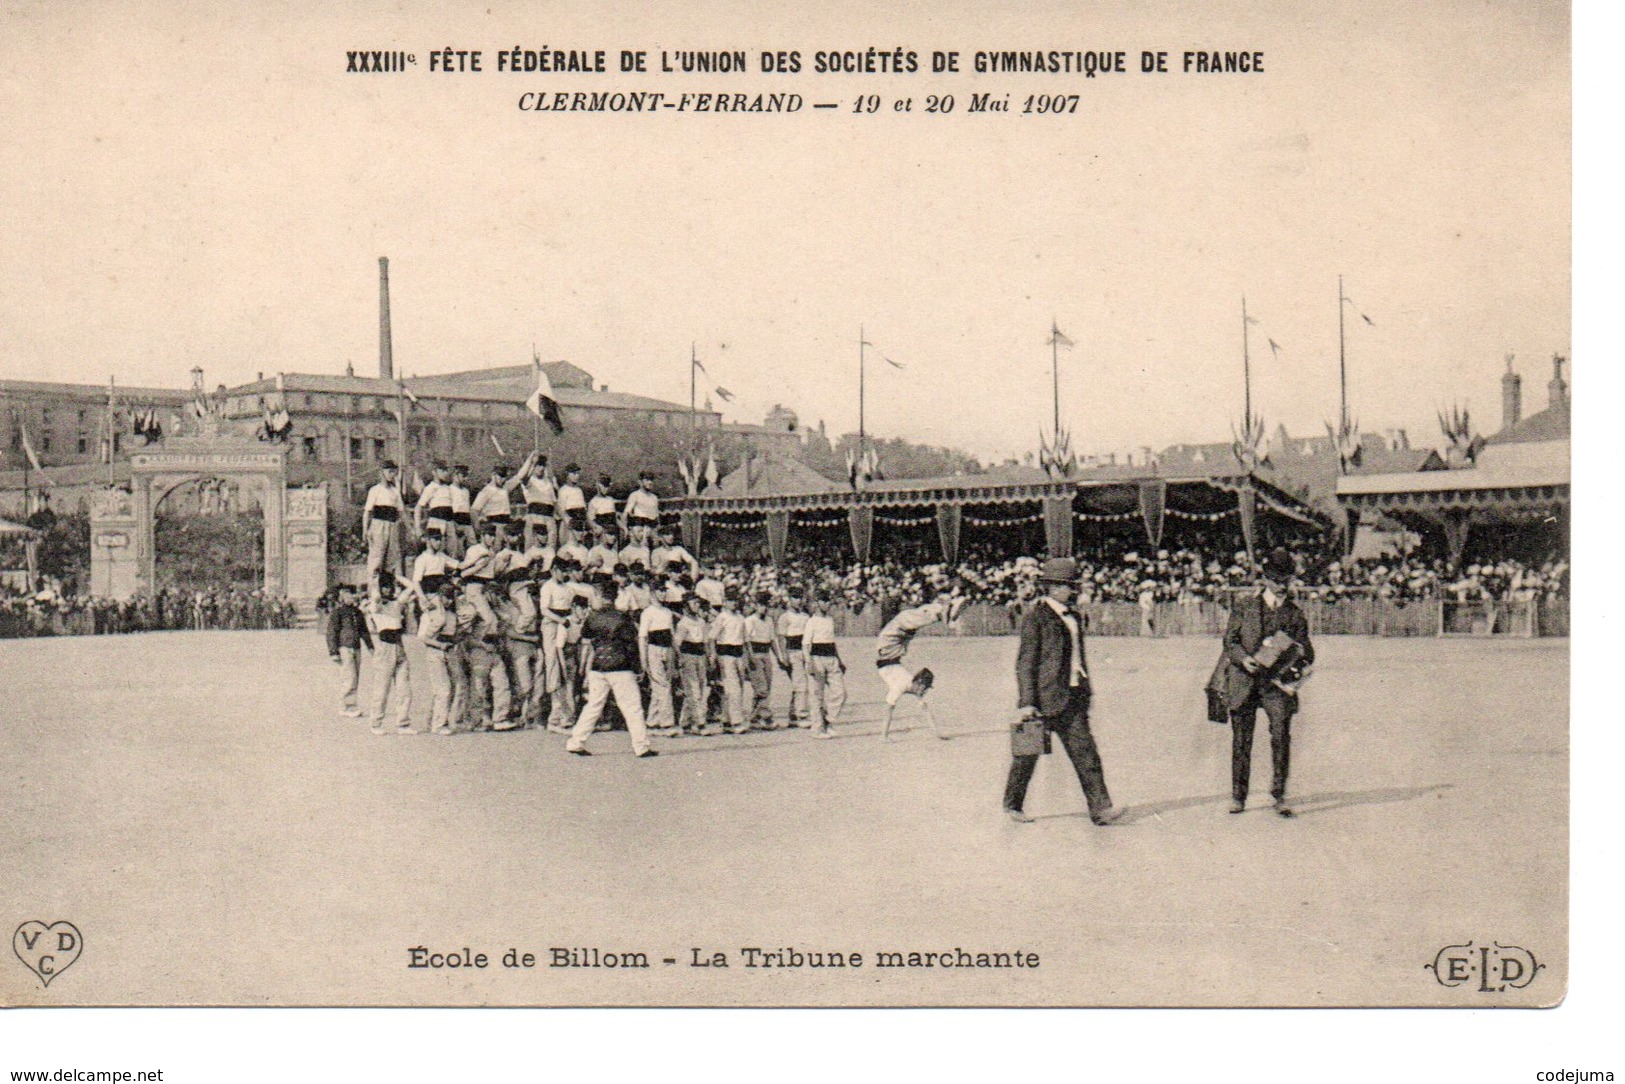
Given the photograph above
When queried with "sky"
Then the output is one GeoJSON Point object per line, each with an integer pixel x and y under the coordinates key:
{"type": "Point", "coordinates": [195, 185]}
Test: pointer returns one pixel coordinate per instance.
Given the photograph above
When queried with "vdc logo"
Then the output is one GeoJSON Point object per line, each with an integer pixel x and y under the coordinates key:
{"type": "Point", "coordinates": [1494, 968]}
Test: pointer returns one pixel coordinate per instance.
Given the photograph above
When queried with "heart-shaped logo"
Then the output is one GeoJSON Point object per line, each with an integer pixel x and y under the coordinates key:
{"type": "Point", "coordinates": [47, 951]}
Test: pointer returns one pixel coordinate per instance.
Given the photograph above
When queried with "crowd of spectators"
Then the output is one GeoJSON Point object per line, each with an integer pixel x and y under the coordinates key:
{"type": "Point", "coordinates": [1186, 575]}
{"type": "Point", "coordinates": [49, 611]}
{"type": "Point", "coordinates": [1113, 573]}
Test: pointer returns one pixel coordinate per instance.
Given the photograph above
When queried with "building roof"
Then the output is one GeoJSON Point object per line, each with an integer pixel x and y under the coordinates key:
{"type": "Point", "coordinates": [1550, 424]}
{"type": "Point", "coordinates": [512, 384]}
{"type": "Point", "coordinates": [98, 391]}
{"type": "Point", "coordinates": [1512, 465]}
{"type": "Point", "coordinates": [774, 475]}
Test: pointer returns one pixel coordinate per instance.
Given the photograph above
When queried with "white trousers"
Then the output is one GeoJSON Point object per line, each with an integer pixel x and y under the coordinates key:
{"type": "Point", "coordinates": [624, 684]}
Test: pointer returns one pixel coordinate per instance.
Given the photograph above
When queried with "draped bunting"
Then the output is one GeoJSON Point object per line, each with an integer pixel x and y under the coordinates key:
{"type": "Point", "coordinates": [1246, 505]}
{"type": "Point", "coordinates": [948, 531]}
{"type": "Point", "coordinates": [1058, 525]}
{"type": "Point", "coordinates": [1153, 500]}
{"type": "Point", "coordinates": [691, 522]}
{"type": "Point", "coordinates": [778, 535]}
{"type": "Point", "coordinates": [1458, 524]}
{"type": "Point", "coordinates": [861, 522]}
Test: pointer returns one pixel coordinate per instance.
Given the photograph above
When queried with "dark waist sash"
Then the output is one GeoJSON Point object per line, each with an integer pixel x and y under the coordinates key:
{"type": "Point", "coordinates": [604, 519]}
{"type": "Point", "coordinates": [441, 511]}
{"type": "Point", "coordinates": [824, 651]}
{"type": "Point", "coordinates": [792, 643]}
{"type": "Point", "coordinates": [464, 518]}
{"type": "Point", "coordinates": [641, 521]}
{"type": "Point", "coordinates": [576, 515]}
{"type": "Point", "coordinates": [386, 513]}
{"type": "Point", "coordinates": [733, 651]}
{"type": "Point", "coordinates": [497, 517]}
{"type": "Point", "coordinates": [389, 636]}
{"type": "Point", "coordinates": [690, 648]}
{"type": "Point", "coordinates": [659, 637]}
{"type": "Point", "coordinates": [560, 614]}
{"type": "Point", "coordinates": [761, 647]}
{"type": "Point", "coordinates": [881, 664]}
{"type": "Point", "coordinates": [543, 511]}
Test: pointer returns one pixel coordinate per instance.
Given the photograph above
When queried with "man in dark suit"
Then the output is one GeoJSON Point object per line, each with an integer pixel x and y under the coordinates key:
{"type": "Point", "coordinates": [1052, 684]}
{"type": "Point", "coordinates": [1252, 683]}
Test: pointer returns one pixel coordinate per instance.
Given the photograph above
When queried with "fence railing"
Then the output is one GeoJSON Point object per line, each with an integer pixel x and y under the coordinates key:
{"type": "Point", "coordinates": [1343, 617]}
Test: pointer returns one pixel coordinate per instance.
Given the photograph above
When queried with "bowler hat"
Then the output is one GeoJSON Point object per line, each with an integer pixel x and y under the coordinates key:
{"type": "Point", "coordinates": [1278, 565]}
{"type": "Point", "coordinates": [1059, 570]}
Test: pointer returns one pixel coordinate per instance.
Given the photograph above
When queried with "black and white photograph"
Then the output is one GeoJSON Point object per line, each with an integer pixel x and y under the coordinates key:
{"type": "Point", "coordinates": [787, 507]}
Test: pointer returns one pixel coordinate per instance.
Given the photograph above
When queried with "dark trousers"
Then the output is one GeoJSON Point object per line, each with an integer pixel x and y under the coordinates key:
{"type": "Point", "coordinates": [1072, 727]}
{"type": "Point", "coordinates": [1278, 710]}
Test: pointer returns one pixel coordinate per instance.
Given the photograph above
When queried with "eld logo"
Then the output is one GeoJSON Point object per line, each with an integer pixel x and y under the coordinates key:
{"type": "Point", "coordinates": [1495, 967]}
{"type": "Point", "coordinates": [47, 951]}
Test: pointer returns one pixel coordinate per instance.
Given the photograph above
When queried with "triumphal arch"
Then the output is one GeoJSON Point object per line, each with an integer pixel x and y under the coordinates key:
{"type": "Point", "coordinates": [123, 560]}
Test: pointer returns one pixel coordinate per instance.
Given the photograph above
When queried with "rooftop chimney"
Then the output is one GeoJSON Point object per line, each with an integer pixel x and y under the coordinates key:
{"type": "Point", "coordinates": [386, 350]}
{"type": "Point", "coordinates": [1511, 396]}
{"type": "Point", "coordinates": [1558, 390]}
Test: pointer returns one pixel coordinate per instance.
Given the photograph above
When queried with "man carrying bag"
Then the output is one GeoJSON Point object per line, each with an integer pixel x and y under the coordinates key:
{"type": "Point", "coordinates": [1267, 653]}
{"type": "Point", "coordinates": [1053, 693]}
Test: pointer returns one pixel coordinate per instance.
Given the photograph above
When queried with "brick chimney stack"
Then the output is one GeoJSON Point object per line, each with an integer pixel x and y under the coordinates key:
{"type": "Point", "coordinates": [1511, 396]}
{"type": "Point", "coordinates": [386, 349]}
{"type": "Point", "coordinates": [1558, 389]}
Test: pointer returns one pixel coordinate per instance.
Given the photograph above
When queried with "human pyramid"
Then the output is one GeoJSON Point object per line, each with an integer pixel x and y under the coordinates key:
{"type": "Point", "coordinates": [523, 624]}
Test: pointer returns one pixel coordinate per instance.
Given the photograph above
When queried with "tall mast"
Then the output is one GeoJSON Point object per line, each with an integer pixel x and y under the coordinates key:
{"type": "Point", "coordinates": [1055, 375]}
{"type": "Point", "coordinates": [110, 431]}
{"type": "Point", "coordinates": [862, 442]}
{"type": "Point", "coordinates": [1246, 369]}
{"type": "Point", "coordinates": [693, 369]}
{"type": "Point", "coordinates": [1342, 363]}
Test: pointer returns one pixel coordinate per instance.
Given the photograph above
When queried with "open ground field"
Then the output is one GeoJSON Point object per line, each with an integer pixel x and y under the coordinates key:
{"type": "Point", "coordinates": [196, 806]}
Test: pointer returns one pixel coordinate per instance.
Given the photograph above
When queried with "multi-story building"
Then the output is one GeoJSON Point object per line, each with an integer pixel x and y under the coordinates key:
{"type": "Point", "coordinates": [66, 424]}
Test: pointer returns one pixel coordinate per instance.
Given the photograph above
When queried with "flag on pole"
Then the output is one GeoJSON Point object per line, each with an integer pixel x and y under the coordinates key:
{"type": "Point", "coordinates": [893, 364]}
{"type": "Point", "coordinates": [694, 359]}
{"type": "Point", "coordinates": [542, 403]}
{"type": "Point", "coordinates": [725, 395]}
{"type": "Point", "coordinates": [1057, 337]}
{"type": "Point", "coordinates": [1275, 348]}
{"type": "Point", "coordinates": [28, 448]}
{"type": "Point", "coordinates": [1368, 319]}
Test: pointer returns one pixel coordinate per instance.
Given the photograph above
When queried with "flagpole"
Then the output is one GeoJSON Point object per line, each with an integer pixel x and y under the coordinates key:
{"type": "Point", "coordinates": [1342, 363]}
{"type": "Point", "coordinates": [536, 418]}
{"type": "Point", "coordinates": [27, 496]}
{"type": "Point", "coordinates": [862, 438]}
{"type": "Point", "coordinates": [110, 430]}
{"type": "Point", "coordinates": [1246, 370]}
{"type": "Point", "coordinates": [1055, 374]}
{"type": "Point", "coordinates": [400, 424]}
